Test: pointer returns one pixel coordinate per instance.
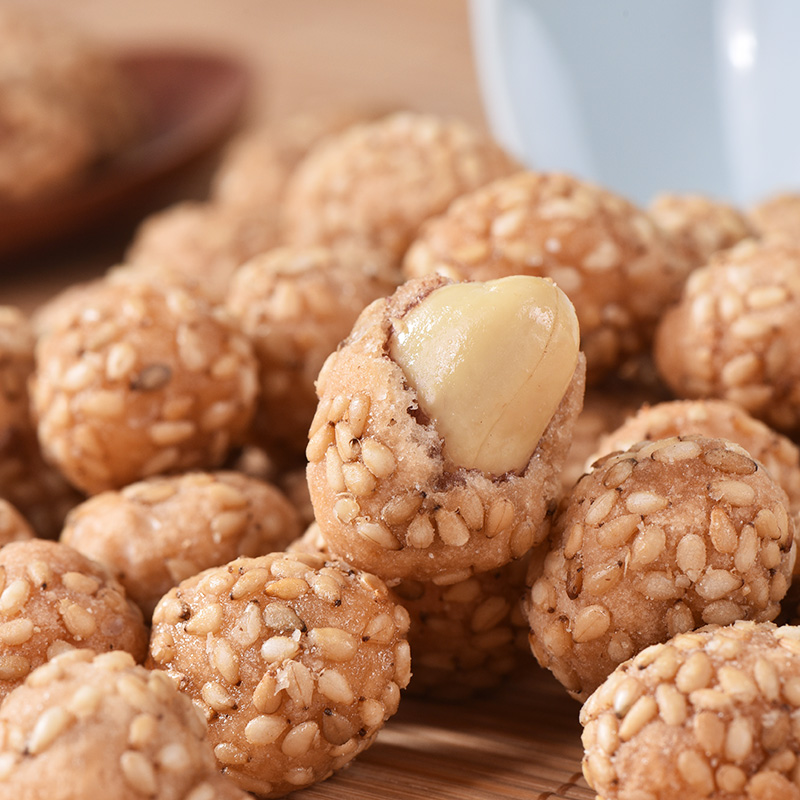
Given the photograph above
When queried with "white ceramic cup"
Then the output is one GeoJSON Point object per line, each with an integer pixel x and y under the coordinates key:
{"type": "Point", "coordinates": [647, 96]}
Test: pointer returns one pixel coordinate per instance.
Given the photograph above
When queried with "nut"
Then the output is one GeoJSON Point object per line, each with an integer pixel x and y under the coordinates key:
{"type": "Point", "coordinates": [490, 363]}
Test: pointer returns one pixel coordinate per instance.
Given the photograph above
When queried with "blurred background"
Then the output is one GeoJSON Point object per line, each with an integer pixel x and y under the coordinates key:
{"type": "Point", "coordinates": [301, 55]}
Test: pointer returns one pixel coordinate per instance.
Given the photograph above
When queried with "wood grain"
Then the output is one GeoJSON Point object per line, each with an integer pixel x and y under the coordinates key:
{"type": "Point", "coordinates": [521, 742]}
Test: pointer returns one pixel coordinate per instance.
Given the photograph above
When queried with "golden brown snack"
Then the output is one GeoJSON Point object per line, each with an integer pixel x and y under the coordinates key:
{"type": "Point", "coordinates": [199, 245]}
{"type": "Point", "coordinates": [296, 304]}
{"type": "Point", "coordinates": [733, 335]}
{"type": "Point", "coordinates": [377, 182]}
{"type": "Point", "coordinates": [394, 476]}
{"type": "Point", "coordinates": [466, 637]}
{"type": "Point", "coordinates": [715, 418]}
{"type": "Point", "coordinates": [698, 225]}
{"type": "Point", "coordinates": [609, 257]}
{"type": "Point", "coordinates": [158, 532]}
{"type": "Point", "coordinates": [98, 726]}
{"type": "Point", "coordinates": [709, 714]}
{"type": "Point", "coordinates": [64, 104]}
{"type": "Point", "coordinates": [258, 163]}
{"type": "Point", "coordinates": [778, 217]}
{"type": "Point", "coordinates": [142, 382]}
{"type": "Point", "coordinates": [296, 661]}
{"type": "Point", "coordinates": [13, 526]}
{"type": "Point", "coordinates": [604, 409]}
{"type": "Point", "coordinates": [54, 599]}
{"type": "Point", "coordinates": [654, 541]}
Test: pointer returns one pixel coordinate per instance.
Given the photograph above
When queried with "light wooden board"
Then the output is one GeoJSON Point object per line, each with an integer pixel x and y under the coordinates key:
{"type": "Point", "coordinates": [521, 742]}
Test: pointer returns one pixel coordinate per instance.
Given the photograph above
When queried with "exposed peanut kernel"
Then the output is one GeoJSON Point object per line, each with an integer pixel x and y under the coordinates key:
{"type": "Point", "coordinates": [500, 435]}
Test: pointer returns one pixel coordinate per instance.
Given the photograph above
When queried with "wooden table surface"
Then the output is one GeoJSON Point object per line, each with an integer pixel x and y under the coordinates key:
{"type": "Point", "coordinates": [522, 742]}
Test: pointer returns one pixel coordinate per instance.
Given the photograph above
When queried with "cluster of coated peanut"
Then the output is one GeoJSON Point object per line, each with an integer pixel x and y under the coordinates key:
{"type": "Point", "coordinates": [391, 308]}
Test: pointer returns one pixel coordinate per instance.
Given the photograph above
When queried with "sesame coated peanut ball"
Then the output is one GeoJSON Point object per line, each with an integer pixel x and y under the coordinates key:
{"type": "Point", "coordinates": [453, 470]}
{"type": "Point", "coordinates": [654, 541]}
{"type": "Point", "coordinates": [199, 246]}
{"type": "Point", "coordinates": [708, 714]}
{"type": "Point", "coordinates": [377, 182]}
{"type": "Point", "coordinates": [296, 661]}
{"type": "Point", "coordinates": [714, 418]}
{"type": "Point", "coordinates": [141, 382]}
{"type": "Point", "coordinates": [296, 304]}
{"type": "Point", "coordinates": [778, 217]}
{"type": "Point", "coordinates": [732, 335]}
{"type": "Point", "coordinates": [609, 257]}
{"type": "Point", "coordinates": [466, 637]}
{"type": "Point", "coordinates": [257, 164]}
{"type": "Point", "coordinates": [54, 599]}
{"type": "Point", "coordinates": [698, 225]}
{"type": "Point", "coordinates": [155, 533]}
{"type": "Point", "coordinates": [99, 726]}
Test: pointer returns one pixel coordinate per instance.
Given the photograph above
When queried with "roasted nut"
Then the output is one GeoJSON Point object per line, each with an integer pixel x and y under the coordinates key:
{"type": "Point", "coordinates": [608, 256]}
{"type": "Point", "coordinates": [698, 225]}
{"type": "Point", "coordinates": [105, 727]}
{"type": "Point", "coordinates": [199, 245]}
{"type": "Point", "coordinates": [706, 714]}
{"type": "Point", "coordinates": [716, 418]}
{"type": "Point", "coordinates": [296, 304]}
{"type": "Point", "coordinates": [296, 660]}
{"type": "Point", "coordinates": [376, 182]}
{"type": "Point", "coordinates": [155, 533]}
{"type": "Point", "coordinates": [385, 492]}
{"type": "Point", "coordinates": [141, 382]}
{"type": "Point", "coordinates": [658, 540]}
{"type": "Point", "coordinates": [734, 334]}
{"type": "Point", "coordinates": [490, 363]}
{"type": "Point", "coordinates": [54, 599]}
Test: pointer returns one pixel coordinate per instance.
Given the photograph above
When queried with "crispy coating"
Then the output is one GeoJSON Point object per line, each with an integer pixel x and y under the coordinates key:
{"type": "Point", "coordinates": [142, 382]}
{"type": "Point", "coordinates": [386, 497]}
{"type": "Point", "coordinates": [64, 105]}
{"type": "Point", "coordinates": [158, 532]}
{"type": "Point", "coordinates": [733, 335]}
{"type": "Point", "coordinates": [778, 217]}
{"type": "Point", "coordinates": [99, 726]}
{"type": "Point", "coordinates": [605, 408]}
{"type": "Point", "coordinates": [200, 245]}
{"type": "Point", "coordinates": [258, 163]}
{"type": "Point", "coordinates": [715, 418]}
{"type": "Point", "coordinates": [699, 226]}
{"type": "Point", "coordinates": [377, 182]}
{"type": "Point", "coordinates": [13, 526]}
{"type": "Point", "coordinates": [654, 541]}
{"type": "Point", "coordinates": [466, 637]}
{"type": "Point", "coordinates": [296, 304]}
{"type": "Point", "coordinates": [709, 714]}
{"type": "Point", "coordinates": [610, 259]}
{"type": "Point", "coordinates": [54, 599]}
{"type": "Point", "coordinates": [296, 661]}
{"type": "Point", "coordinates": [469, 636]}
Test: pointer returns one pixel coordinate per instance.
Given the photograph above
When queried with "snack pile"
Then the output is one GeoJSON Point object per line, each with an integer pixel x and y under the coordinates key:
{"type": "Point", "coordinates": [389, 412]}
